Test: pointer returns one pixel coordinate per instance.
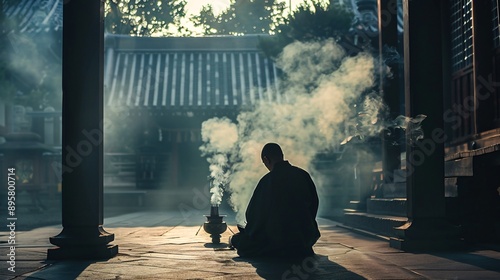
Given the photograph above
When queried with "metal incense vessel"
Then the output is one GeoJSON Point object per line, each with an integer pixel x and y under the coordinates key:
{"type": "Point", "coordinates": [214, 224]}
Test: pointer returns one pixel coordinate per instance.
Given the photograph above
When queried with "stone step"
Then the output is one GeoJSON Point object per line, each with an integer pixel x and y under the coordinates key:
{"type": "Point", "coordinates": [378, 224]}
{"type": "Point", "coordinates": [357, 205]}
{"type": "Point", "coordinates": [387, 206]}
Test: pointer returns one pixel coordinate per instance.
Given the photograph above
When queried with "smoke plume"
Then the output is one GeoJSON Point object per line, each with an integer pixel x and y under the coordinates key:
{"type": "Point", "coordinates": [310, 116]}
{"type": "Point", "coordinates": [219, 136]}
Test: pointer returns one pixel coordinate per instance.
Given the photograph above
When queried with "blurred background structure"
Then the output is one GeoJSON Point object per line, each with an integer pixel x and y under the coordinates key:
{"type": "Point", "coordinates": [163, 78]}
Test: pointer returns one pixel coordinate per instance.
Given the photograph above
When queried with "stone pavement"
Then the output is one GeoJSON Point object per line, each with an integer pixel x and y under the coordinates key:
{"type": "Point", "coordinates": [166, 245]}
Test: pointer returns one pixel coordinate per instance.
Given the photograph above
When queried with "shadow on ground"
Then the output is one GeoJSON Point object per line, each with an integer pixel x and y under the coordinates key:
{"type": "Point", "coordinates": [64, 270]}
{"type": "Point", "coordinates": [474, 259]}
{"type": "Point", "coordinates": [314, 267]}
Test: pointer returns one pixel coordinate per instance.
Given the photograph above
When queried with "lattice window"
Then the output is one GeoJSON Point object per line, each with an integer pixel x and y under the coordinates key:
{"type": "Point", "coordinates": [461, 33]}
{"type": "Point", "coordinates": [495, 23]}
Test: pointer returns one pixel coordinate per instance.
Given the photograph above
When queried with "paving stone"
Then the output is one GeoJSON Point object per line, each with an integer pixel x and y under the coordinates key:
{"type": "Point", "coordinates": [166, 245]}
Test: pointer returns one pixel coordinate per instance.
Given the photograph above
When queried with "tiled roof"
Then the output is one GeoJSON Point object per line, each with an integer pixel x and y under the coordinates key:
{"type": "Point", "coordinates": [188, 73]}
{"type": "Point", "coordinates": [36, 15]}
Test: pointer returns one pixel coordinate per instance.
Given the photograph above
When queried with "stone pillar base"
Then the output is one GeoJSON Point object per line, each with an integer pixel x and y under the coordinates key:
{"type": "Point", "coordinates": [82, 243]}
{"type": "Point", "coordinates": [427, 235]}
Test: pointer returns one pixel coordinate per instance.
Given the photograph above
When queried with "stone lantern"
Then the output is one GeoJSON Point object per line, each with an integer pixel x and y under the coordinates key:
{"type": "Point", "coordinates": [24, 152]}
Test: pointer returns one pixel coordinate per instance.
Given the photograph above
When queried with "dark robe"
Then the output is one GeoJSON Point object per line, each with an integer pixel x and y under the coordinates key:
{"type": "Point", "coordinates": [281, 215]}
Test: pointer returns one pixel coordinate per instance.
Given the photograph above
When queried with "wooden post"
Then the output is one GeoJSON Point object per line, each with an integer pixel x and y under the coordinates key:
{"type": "Point", "coordinates": [427, 228]}
{"type": "Point", "coordinates": [484, 81]}
{"type": "Point", "coordinates": [389, 88]}
{"type": "Point", "coordinates": [83, 236]}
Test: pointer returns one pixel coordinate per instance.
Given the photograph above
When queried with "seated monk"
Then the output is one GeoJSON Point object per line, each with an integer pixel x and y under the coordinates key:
{"type": "Point", "coordinates": [281, 215]}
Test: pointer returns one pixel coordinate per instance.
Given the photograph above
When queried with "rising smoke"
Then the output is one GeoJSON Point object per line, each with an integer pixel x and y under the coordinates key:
{"type": "Point", "coordinates": [317, 101]}
{"type": "Point", "coordinates": [219, 136]}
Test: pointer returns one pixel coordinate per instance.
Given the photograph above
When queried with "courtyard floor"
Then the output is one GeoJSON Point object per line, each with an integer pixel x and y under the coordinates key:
{"type": "Point", "coordinates": [170, 245]}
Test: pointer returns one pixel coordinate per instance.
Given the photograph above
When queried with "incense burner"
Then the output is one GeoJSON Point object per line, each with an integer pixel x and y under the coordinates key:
{"type": "Point", "coordinates": [214, 224]}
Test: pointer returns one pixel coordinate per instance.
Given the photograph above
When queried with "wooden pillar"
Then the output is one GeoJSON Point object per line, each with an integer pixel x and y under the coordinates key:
{"type": "Point", "coordinates": [57, 130]}
{"type": "Point", "coordinates": [175, 159]}
{"type": "Point", "coordinates": [389, 88]}
{"type": "Point", "coordinates": [427, 228]}
{"type": "Point", "coordinates": [83, 236]}
{"type": "Point", "coordinates": [484, 82]}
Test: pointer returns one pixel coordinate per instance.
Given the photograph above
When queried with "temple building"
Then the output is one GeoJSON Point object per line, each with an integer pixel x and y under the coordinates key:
{"type": "Point", "coordinates": [148, 96]}
{"type": "Point", "coordinates": [447, 183]}
{"type": "Point", "coordinates": [164, 88]}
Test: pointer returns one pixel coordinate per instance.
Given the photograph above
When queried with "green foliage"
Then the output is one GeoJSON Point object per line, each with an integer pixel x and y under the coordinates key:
{"type": "Point", "coordinates": [242, 17]}
{"type": "Point", "coordinates": [312, 21]}
{"type": "Point", "coordinates": [7, 89]}
{"type": "Point", "coordinates": [30, 64]}
{"type": "Point", "coordinates": [144, 17]}
{"type": "Point", "coordinates": [35, 68]}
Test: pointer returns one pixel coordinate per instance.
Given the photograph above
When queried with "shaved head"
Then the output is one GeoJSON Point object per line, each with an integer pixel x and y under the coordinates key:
{"type": "Point", "coordinates": [272, 151]}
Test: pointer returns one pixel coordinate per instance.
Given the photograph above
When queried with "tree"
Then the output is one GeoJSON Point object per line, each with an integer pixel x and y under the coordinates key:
{"type": "Point", "coordinates": [8, 91]}
{"type": "Point", "coordinates": [242, 17]}
{"type": "Point", "coordinates": [312, 21]}
{"type": "Point", "coordinates": [30, 63]}
{"type": "Point", "coordinates": [144, 17]}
